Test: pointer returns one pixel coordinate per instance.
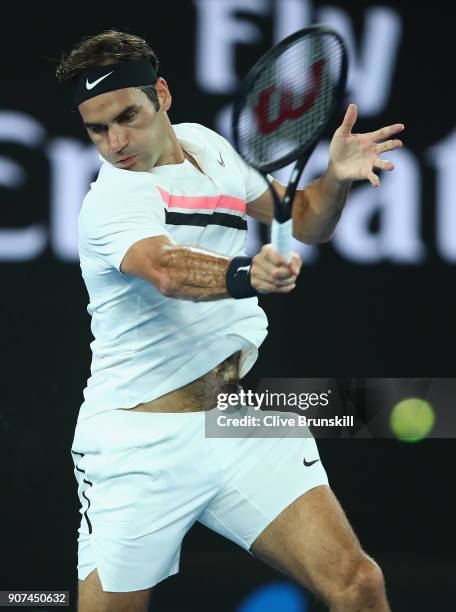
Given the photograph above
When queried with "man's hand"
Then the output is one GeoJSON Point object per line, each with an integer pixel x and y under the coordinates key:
{"type": "Point", "coordinates": [353, 157]}
{"type": "Point", "coordinates": [270, 273]}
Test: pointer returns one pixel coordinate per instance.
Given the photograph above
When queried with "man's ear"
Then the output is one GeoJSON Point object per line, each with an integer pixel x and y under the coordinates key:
{"type": "Point", "coordinates": [163, 94]}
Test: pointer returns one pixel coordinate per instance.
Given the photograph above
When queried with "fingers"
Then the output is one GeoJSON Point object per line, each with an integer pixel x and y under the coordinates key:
{"type": "Point", "coordinates": [383, 164]}
{"type": "Point", "coordinates": [386, 132]}
{"type": "Point", "coordinates": [373, 179]}
{"type": "Point", "coordinates": [389, 145]}
{"type": "Point", "coordinates": [259, 275]}
{"type": "Point", "coordinates": [266, 283]}
{"type": "Point", "coordinates": [276, 272]}
{"type": "Point", "coordinates": [270, 271]}
{"type": "Point", "coordinates": [269, 288]}
{"type": "Point", "coordinates": [268, 256]}
{"type": "Point", "coordinates": [349, 120]}
{"type": "Point", "coordinates": [295, 264]}
{"type": "Point", "coordinates": [263, 286]}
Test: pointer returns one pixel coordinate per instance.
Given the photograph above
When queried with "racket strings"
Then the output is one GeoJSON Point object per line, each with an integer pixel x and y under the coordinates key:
{"type": "Point", "coordinates": [290, 99]}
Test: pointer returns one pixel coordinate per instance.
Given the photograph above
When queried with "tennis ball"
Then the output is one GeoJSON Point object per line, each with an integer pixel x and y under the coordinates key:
{"type": "Point", "coordinates": [412, 419]}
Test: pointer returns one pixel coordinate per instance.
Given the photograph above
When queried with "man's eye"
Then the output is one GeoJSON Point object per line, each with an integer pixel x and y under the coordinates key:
{"type": "Point", "coordinates": [97, 129]}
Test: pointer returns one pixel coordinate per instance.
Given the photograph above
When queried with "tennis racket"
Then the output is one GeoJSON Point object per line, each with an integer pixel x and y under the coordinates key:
{"type": "Point", "coordinates": [284, 105]}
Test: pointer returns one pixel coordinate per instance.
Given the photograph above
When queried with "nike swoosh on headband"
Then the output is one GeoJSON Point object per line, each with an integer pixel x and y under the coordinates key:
{"type": "Point", "coordinates": [92, 85]}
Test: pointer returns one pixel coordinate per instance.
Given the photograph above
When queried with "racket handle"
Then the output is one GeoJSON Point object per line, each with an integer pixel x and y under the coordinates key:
{"type": "Point", "coordinates": [281, 235]}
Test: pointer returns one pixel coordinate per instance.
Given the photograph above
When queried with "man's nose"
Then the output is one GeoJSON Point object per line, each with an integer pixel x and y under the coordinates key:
{"type": "Point", "coordinates": [117, 138]}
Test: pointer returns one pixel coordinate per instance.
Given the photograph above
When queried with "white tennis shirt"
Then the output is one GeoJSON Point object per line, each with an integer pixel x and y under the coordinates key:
{"type": "Point", "coordinates": [145, 344]}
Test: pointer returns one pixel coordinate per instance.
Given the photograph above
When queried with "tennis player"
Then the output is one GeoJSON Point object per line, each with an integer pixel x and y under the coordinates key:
{"type": "Point", "coordinates": [176, 322]}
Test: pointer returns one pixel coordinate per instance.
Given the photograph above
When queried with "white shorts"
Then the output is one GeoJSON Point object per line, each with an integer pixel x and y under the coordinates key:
{"type": "Point", "coordinates": [145, 478]}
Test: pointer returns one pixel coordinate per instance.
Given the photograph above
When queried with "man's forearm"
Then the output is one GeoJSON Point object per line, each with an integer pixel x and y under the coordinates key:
{"type": "Point", "coordinates": [193, 274]}
{"type": "Point", "coordinates": [317, 208]}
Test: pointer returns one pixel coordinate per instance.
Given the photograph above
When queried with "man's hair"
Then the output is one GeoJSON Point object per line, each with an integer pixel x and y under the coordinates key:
{"type": "Point", "coordinates": [109, 47]}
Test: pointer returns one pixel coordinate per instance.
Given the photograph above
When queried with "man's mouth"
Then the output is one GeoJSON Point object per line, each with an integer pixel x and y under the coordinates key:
{"type": "Point", "coordinates": [126, 161]}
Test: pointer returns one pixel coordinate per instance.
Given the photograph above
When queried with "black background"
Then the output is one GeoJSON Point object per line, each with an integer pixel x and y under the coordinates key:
{"type": "Point", "coordinates": [343, 320]}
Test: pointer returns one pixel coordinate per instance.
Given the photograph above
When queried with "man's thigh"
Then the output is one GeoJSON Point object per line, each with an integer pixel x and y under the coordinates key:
{"type": "Point", "coordinates": [313, 542]}
{"type": "Point", "coordinates": [92, 598]}
{"type": "Point", "coordinates": [261, 477]}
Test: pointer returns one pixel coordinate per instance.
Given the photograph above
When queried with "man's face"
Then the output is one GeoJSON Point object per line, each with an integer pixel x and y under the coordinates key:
{"type": "Point", "coordinates": [124, 124]}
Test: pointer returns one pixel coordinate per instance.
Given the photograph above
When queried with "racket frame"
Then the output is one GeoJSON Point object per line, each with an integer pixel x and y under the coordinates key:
{"type": "Point", "coordinates": [281, 231]}
{"type": "Point", "coordinates": [252, 76]}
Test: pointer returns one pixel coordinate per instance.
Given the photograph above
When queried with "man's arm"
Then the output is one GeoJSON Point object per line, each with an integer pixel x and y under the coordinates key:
{"type": "Point", "coordinates": [316, 209]}
{"type": "Point", "coordinates": [193, 274]}
{"type": "Point", "coordinates": [352, 157]}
